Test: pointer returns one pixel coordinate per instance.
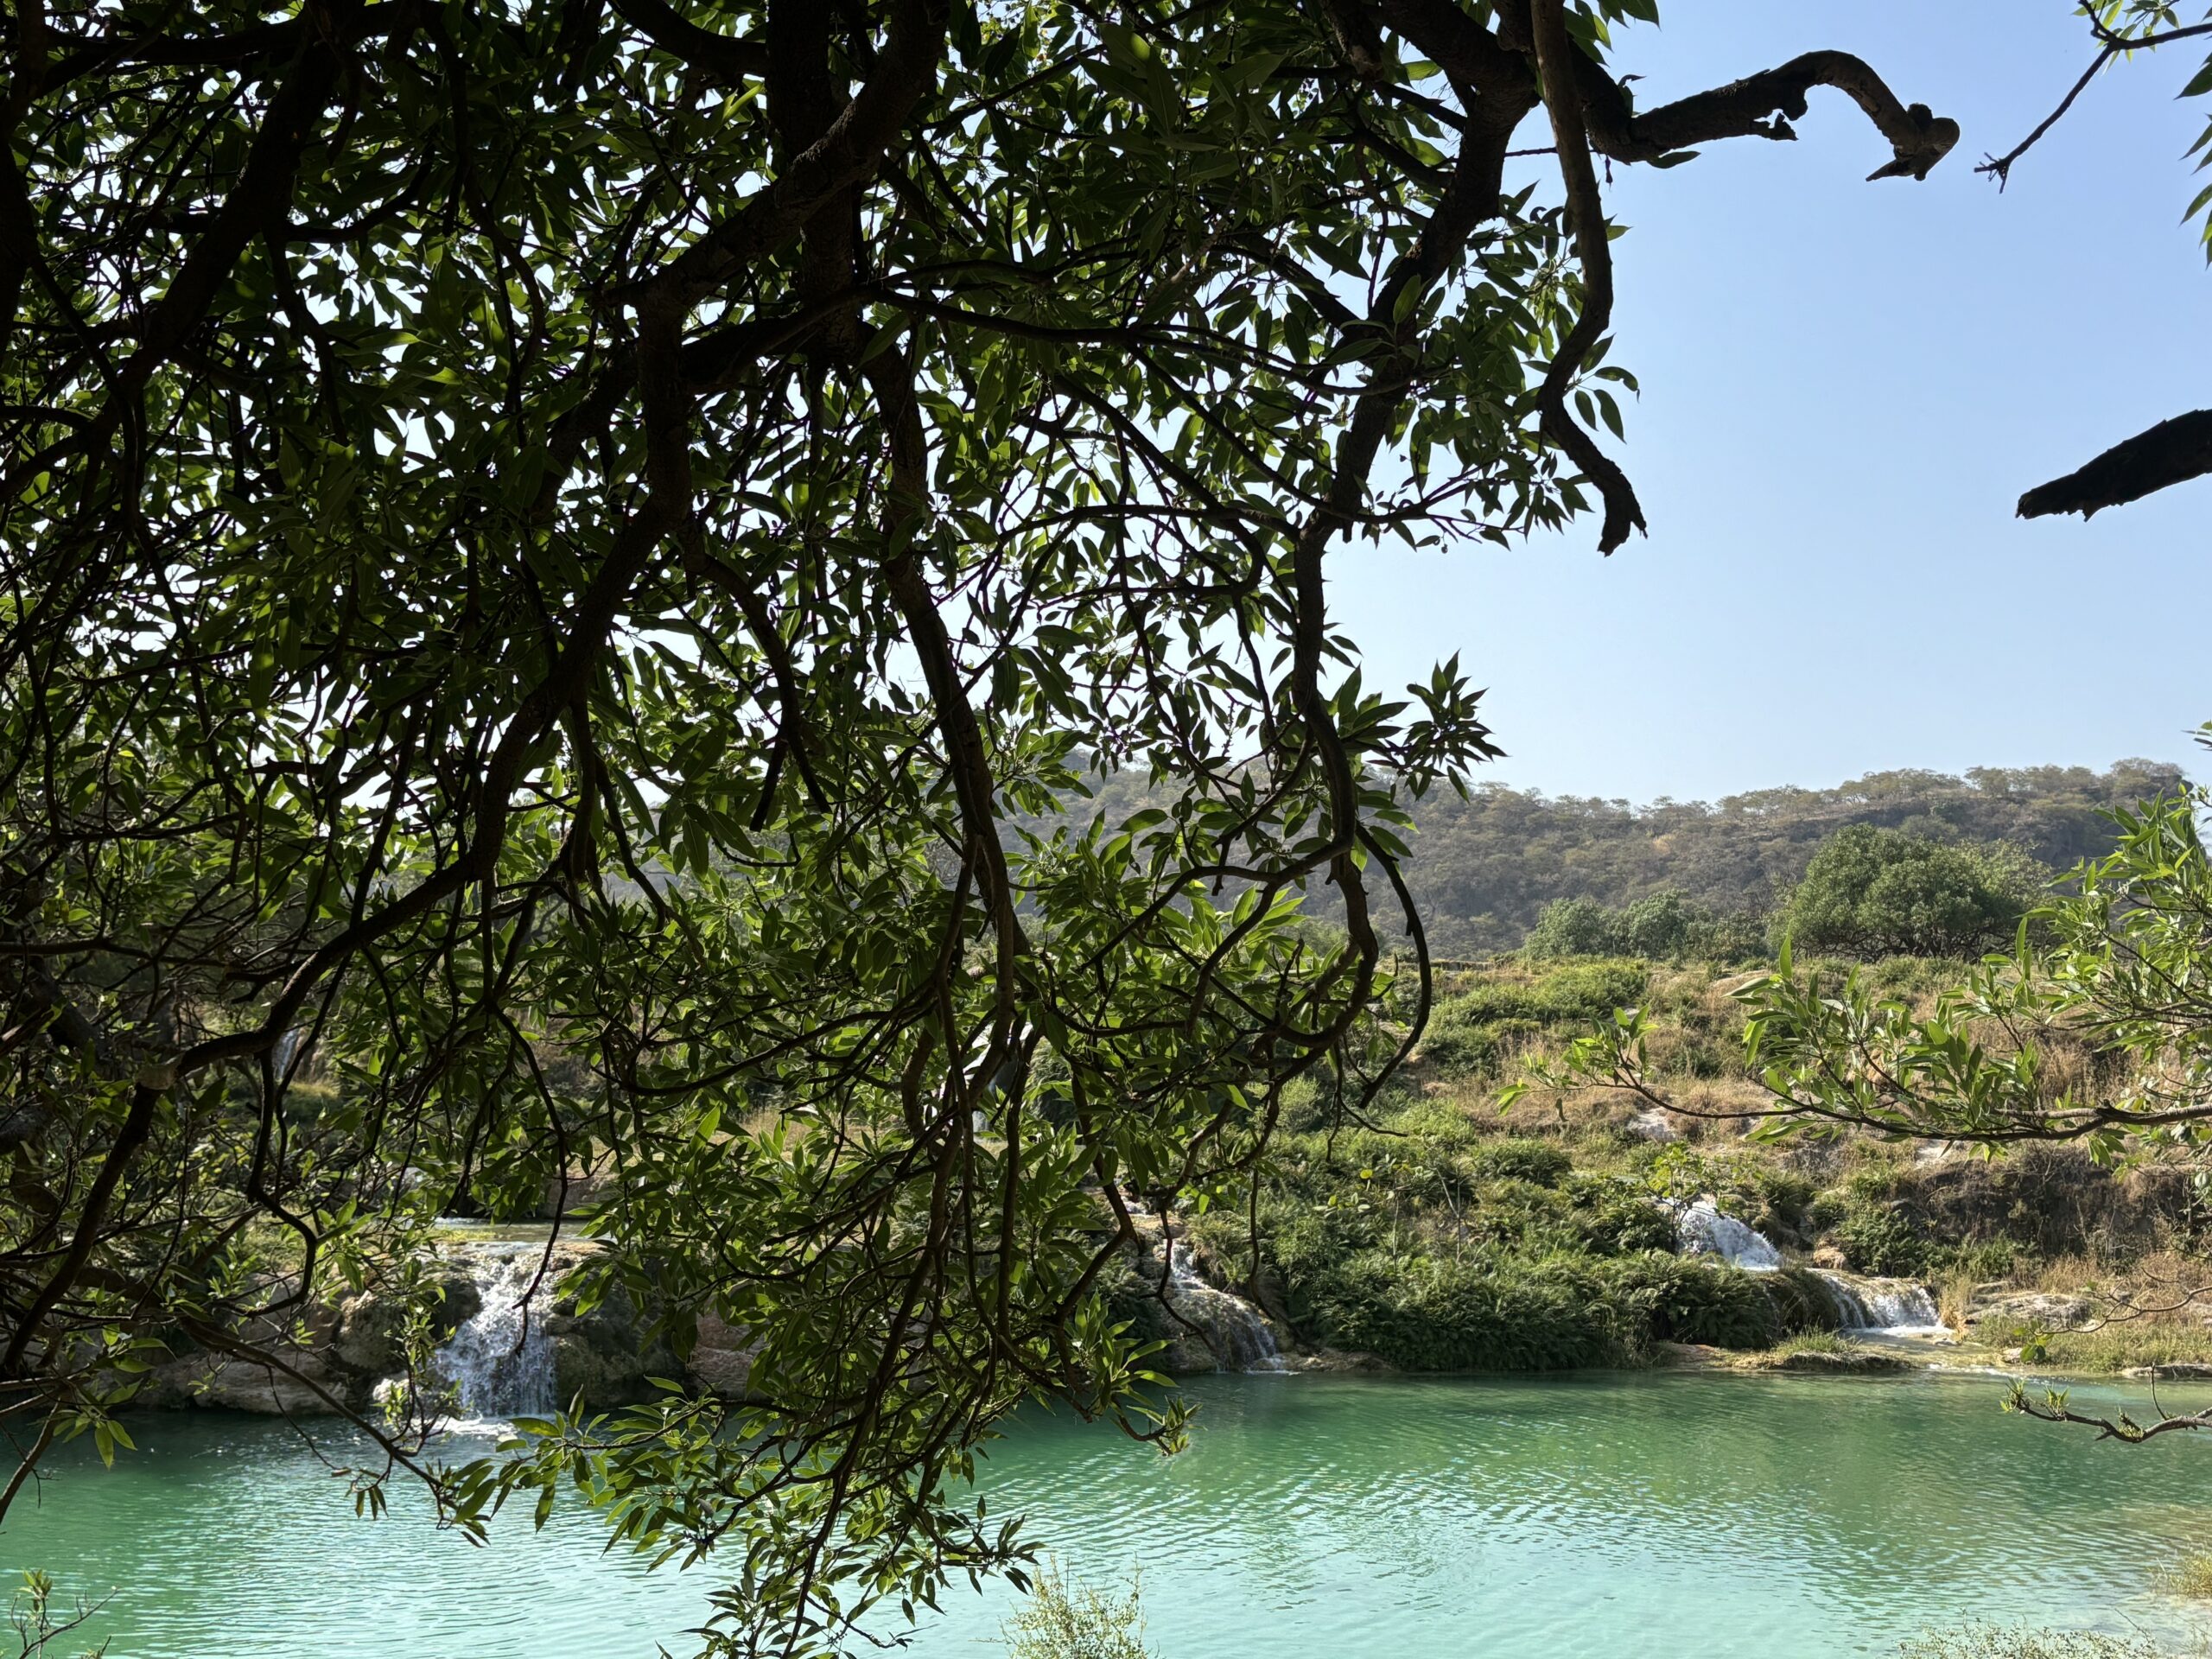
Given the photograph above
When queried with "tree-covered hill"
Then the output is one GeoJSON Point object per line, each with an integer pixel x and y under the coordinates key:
{"type": "Point", "coordinates": [1484, 867]}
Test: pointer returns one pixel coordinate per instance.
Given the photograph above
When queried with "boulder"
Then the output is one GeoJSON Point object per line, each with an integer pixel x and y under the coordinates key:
{"type": "Point", "coordinates": [720, 1361]}
{"type": "Point", "coordinates": [240, 1385]}
{"type": "Point", "coordinates": [2048, 1310]}
{"type": "Point", "coordinates": [602, 1358]}
{"type": "Point", "coordinates": [371, 1333]}
{"type": "Point", "coordinates": [2173, 1370]}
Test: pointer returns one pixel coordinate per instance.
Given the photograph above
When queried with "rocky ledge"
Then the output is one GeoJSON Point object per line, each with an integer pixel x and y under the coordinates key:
{"type": "Point", "coordinates": [337, 1356]}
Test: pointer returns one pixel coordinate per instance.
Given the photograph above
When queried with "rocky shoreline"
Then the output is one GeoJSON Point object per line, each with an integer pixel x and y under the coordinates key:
{"type": "Point", "coordinates": [342, 1355]}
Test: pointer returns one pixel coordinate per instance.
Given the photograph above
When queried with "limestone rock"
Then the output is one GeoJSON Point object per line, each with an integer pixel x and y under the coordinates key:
{"type": "Point", "coordinates": [601, 1358]}
{"type": "Point", "coordinates": [722, 1359]}
{"type": "Point", "coordinates": [239, 1385]}
{"type": "Point", "coordinates": [2051, 1309]}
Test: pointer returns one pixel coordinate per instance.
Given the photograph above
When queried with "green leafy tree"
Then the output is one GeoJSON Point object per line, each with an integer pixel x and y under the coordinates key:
{"type": "Point", "coordinates": [1871, 892]}
{"type": "Point", "coordinates": [1573, 927]}
{"type": "Point", "coordinates": [543, 548]}
{"type": "Point", "coordinates": [1663, 925]}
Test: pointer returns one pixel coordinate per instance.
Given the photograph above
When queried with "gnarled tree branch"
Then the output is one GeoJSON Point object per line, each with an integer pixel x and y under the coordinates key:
{"type": "Point", "coordinates": [1763, 107]}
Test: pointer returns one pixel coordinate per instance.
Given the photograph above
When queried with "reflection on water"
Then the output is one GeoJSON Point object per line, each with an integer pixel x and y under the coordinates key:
{"type": "Point", "coordinates": [1667, 1516]}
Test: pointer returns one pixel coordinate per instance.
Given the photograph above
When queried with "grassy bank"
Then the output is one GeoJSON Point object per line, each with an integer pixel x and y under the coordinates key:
{"type": "Point", "coordinates": [1443, 1235]}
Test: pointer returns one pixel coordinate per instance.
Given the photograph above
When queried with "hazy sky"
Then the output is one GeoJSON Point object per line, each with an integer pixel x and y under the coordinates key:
{"type": "Point", "coordinates": [1846, 386]}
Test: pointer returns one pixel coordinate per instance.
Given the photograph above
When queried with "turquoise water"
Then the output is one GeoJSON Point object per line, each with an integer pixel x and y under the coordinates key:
{"type": "Point", "coordinates": [1669, 1517]}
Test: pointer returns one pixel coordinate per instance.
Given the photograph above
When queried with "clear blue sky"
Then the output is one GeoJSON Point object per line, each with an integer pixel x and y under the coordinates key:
{"type": "Point", "coordinates": [1846, 386]}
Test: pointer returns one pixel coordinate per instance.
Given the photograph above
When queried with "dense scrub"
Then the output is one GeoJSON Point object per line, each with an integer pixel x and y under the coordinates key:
{"type": "Point", "coordinates": [1446, 1235]}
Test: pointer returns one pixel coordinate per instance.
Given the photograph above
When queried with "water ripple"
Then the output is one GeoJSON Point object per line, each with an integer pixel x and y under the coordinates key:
{"type": "Point", "coordinates": [1666, 1516]}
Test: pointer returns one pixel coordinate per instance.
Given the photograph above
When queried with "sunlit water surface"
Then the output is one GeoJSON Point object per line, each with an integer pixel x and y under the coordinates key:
{"type": "Point", "coordinates": [1667, 1516]}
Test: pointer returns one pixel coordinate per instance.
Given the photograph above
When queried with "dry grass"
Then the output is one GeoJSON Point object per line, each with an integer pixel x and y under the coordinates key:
{"type": "Point", "coordinates": [2114, 1348]}
{"type": "Point", "coordinates": [2191, 1576]}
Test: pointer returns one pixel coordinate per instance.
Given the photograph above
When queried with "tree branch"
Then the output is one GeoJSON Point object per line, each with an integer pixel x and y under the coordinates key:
{"type": "Point", "coordinates": [1762, 105]}
{"type": "Point", "coordinates": [725, 59]}
{"type": "Point", "coordinates": [1555, 58]}
{"type": "Point", "coordinates": [2173, 452]}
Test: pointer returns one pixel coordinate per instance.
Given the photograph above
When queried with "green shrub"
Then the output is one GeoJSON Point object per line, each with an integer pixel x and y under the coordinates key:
{"type": "Point", "coordinates": [1693, 1300]}
{"type": "Point", "coordinates": [1871, 1183]}
{"type": "Point", "coordinates": [1061, 1620]}
{"type": "Point", "coordinates": [1781, 1198]}
{"type": "Point", "coordinates": [2189, 1576]}
{"type": "Point", "coordinates": [1989, 1258]}
{"type": "Point", "coordinates": [1573, 927]}
{"type": "Point", "coordinates": [1665, 925]}
{"type": "Point", "coordinates": [1590, 990]}
{"type": "Point", "coordinates": [1877, 1240]}
{"type": "Point", "coordinates": [1616, 1218]}
{"type": "Point", "coordinates": [1460, 1048]}
{"type": "Point", "coordinates": [1545, 1163]}
{"type": "Point", "coordinates": [1492, 1314]}
{"type": "Point", "coordinates": [1871, 892]}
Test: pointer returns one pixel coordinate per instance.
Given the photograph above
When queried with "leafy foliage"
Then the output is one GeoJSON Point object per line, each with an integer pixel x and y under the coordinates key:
{"type": "Point", "coordinates": [1663, 925]}
{"type": "Point", "coordinates": [1870, 892]}
{"type": "Point", "coordinates": [548, 549]}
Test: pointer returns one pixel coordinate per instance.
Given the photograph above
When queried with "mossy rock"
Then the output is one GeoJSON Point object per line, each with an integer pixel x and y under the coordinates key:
{"type": "Point", "coordinates": [1865, 1362]}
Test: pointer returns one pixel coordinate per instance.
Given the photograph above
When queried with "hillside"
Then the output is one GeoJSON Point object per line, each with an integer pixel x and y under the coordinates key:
{"type": "Point", "coordinates": [1483, 868]}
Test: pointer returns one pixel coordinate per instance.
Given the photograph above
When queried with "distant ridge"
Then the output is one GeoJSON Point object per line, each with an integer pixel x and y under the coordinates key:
{"type": "Point", "coordinates": [1483, 868]}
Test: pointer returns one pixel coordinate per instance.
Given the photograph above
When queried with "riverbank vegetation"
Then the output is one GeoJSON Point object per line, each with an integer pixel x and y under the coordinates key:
{"type": "Point", "coordinates": [1062, 1619]}
{"type": "Point", "coordinates": [1440, 1232]}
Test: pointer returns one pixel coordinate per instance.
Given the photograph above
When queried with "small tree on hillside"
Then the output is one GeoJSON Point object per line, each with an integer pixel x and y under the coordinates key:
{"type": "Point", "coordinates": [1665, 925]}
{"type": "Point", "coordinates": [1573, 927]}
{"type": "Point", "coordinates": [1871, 892]}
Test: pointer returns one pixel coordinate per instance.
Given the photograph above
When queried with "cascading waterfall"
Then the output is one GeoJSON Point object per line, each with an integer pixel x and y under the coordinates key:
{"type": "Point", "coordinates": [1863, 1305]}
{"type": "Point", "coordinates": [1897, 1306]}
{"type": "Point", "coordinates": [500, 1360]}
{"type": "Point", "coordinates": [1233, 1329]}
{"type": "Point", "coordinates": [1701, 1228]}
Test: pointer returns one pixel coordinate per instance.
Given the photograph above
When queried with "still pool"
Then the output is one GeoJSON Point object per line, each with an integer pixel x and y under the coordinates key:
{"type": "Point", "coordinates": [1657, 1516]}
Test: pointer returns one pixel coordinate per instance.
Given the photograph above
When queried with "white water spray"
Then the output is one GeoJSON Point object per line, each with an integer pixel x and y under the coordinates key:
{"type": "Point", "coordinates": [1701, 1228]}
{"type": "Point", "coordinates": [1891, 1306]}
{"type": "Point", "coordinates": [1231, 1327]}
{"type": "Point", "coordinates": [500, 1360]}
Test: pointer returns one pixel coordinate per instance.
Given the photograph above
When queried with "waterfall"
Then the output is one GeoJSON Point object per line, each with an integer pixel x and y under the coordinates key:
{"type": "Point", "coordinates": [1229, 1326]}
{"type": "Point", "coordinates": [500, 1360]}
{"type": "Point", "coordinates": [1702, 1230]}
{"type": "Point", "coordinates": [1894, 1305]}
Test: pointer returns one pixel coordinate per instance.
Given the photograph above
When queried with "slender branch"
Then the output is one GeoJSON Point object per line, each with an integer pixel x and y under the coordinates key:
{"type": "Point", "coordinates": [1555, 58]}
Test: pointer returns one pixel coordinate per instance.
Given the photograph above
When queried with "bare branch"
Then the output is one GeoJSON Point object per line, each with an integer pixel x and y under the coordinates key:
{"type": "Point", "coordinates": [2173, 452]}
{"type": "Point", "coordinates": [1763, 107]}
